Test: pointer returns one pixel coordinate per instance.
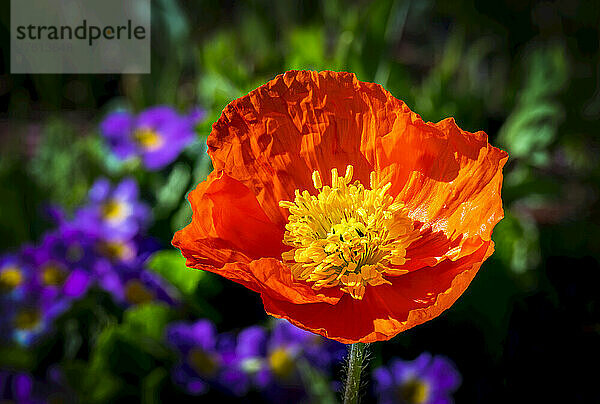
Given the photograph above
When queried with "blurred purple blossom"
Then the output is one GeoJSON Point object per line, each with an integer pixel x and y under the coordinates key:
{"type": "Point", "coordinates": [16, 387]}
{"type": "Point", "coordinates": [130, 283]}
{"type": "Point", "coordinates": [157, 135]}
{"type": "Point", "coordinates": [272, 358]}
{"type": "Point", "coordinates": [202, 362]}
{"type": "Point", "coordinates": [425, 380]}
{"type": "Point", "coordinates": [62, 263]}
{"type": "Point", "coordinates": [255, 358]}
{"type": "Point", "coordinates": [26, 388]}
{"type": "Point", "coordinates": [14, 276]}
{"type": "Point", "coordinates": [104, 245]}
{"type": "Point", "coordinates": [39, 294]}
{"type": "Point", "coordinates": [113, 212]}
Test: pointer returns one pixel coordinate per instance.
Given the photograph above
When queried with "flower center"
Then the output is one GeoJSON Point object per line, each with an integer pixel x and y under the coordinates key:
{"type": "Point", "coordinates": [10, 279]}
{"type": "Point", "coordinates": [281, 362]}
{"type": "Point", "coordinates": [27, 319]}
{"type": "Point", "coordinates": [202, 362]}
{"type": "Point", "coordinates": [413, 392]}
{"type": "Point", "coordinates": [148, 139]}
{"type": "Point", "coordinates": [116, 250]}
{"type": "Point", "coordinates": [347, 235]}
{"type": "Point", "coordinates": [114, 210]}
{"type": "Point", "coordinates": [53, 275]}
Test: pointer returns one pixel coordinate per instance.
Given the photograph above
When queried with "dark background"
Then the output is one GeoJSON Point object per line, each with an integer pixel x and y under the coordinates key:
{"type": "Point", "coordinates": [527, 73]}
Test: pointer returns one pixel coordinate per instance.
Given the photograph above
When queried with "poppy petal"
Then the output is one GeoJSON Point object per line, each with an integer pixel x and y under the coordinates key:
{"type": "Point", "coordinates": [227, 220]}
{"type": "Point", "coordinates": [275, 137]}
{"type": "Point", "coordinates": [386, 310]}
{"type": "Point", "coordinates": [448, 178]}
{"type": "Point", "coordinates": [229, 232]}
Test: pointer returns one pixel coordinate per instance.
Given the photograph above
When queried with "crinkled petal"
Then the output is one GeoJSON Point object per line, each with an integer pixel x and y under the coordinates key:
{"type": "Point", "coordinates": [274, 138]}
{"type": "Point", "coordinates": [386, 310]}
{"type": "Point", "coordinates": [448, 178]}
{"type": "Point", "coordinates": [228, 225]}
{"type": "Point", "coordinates": [230, 233]}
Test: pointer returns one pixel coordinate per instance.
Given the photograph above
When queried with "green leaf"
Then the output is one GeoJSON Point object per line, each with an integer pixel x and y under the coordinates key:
{"type": "Point", "coordinates": [148, 319]}
{"type": "Point", "coordinates": [170, 264]}
{"type": "Point", "coordinates": [83, 377]}
{"type": "Point", "coordinates": [533, 125]}
{"type": "Point", "coordinates": [65, 163]}
{"type": "Point", "coordinates": [152, 385]}
{"type": "Point", "coordinates": [317, 384]}
{"type": "Point", "coordinates": [306, 49]}
{"type": "Point", "coordinates": [170, 193]}
{"type": "Point", "coordinates": [517, 243]}
{"type": "Point", "coordinates": [15, 357]}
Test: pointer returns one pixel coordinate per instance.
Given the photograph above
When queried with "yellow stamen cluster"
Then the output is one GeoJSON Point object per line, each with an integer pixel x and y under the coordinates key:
{"type": "Point", "coordinates": [54, 275]}
{"type": "Point", "coordinates": [114, 210]}
{"type": "Point", "coordinates": [116, 250]}
{"type": "Point", "coordinates": [27, 319]}
{"type": "Point", "coordinates": [10, 278]}
{"type": "Point", "coordinates": [148, 139]}
{"type": "Point", "coordinates": [346, 236]}
{"type": "Point", "coordinates": [281, 362]}
{"type": "Point", "coordinates": [202, 362]}
{"type": "Point", "coordinates": [414, 391]}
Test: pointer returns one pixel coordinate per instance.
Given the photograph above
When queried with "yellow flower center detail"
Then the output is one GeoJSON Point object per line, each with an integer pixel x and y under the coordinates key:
{"type": "Point", "coordinates": [347, 235]}
{"type": "Point", "coordinates": [148, 139]}
{"type": "Point", "coordinates": [10, 278]}
{"type": "Point", "coordinates": [116, 250]}
{"type": "Point", "coordinates": [281, 362]}
{"type": "Point", "coordinates": [53, 275]}
{"type": "Point", "coordinates": [413, 392]}
{"type": "Point", "coordinates": [27, 319]}
{"type": "Point", "coordinates": [114, 210]}
{"type": "Point", "coordinates": [202, 362]}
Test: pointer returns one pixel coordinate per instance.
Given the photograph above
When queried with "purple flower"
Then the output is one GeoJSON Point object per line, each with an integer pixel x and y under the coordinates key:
{"type": "Point", "coordinates": [157, 135]}
{"type": "Point", "coordinates": [426, 380]}
{"type": "Point", "coordinates": [24, 388]}
{"type": "Point", "coordinates": [247, 359]}
{"type": "Point", "coordinates": [119, 269]}
{"type": "Point", "coordinates": [62, 264]}
{"type": "Point", "coordinates": [270, 361]}
{"type": "Point", "coordinates": [319, 351]}
{"type": "Point", "coordinates": [30, 318]}
{"type": "Point", "coordinates": [132, 285]}
{"type": "Point", "coordinates": [16, 387]}
{"type": "Point", "coordinates": [14, 276]}
{"type": "Point", "coordinates": [202, 363]}
{"type": "Point", "coordinates": [42, 287]}
{"type": "Point", "coordinates": [113, 212]}
{"type": "Point", "coordinates": [289, 344]}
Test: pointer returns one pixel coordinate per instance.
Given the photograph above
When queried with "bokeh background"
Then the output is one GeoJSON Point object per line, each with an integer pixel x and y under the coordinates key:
{"type": "Point", "coordinates": [527, 73]}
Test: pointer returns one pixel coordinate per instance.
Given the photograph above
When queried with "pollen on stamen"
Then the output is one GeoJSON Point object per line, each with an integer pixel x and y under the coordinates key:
{"type": "Point", "coordinates": [346, 236]}
{"type": "Point", "coordinates": [316, 177]}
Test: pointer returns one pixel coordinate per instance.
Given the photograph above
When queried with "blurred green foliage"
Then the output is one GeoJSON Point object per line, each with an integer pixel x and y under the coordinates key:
{"type": "Point", "coordinates": [128, 358]}
{"type": "Point", "coordinates": [532, 126]}
{"type": "Point", "coordinates": [525, 73]}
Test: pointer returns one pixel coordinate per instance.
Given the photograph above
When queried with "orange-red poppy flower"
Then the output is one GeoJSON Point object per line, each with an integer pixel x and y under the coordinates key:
{"type": "Point", "coordinates": [350, 215]}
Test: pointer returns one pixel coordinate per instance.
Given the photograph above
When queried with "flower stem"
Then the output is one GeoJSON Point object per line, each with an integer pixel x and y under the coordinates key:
{"type": "Point", "coordinates": [356, 355]}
